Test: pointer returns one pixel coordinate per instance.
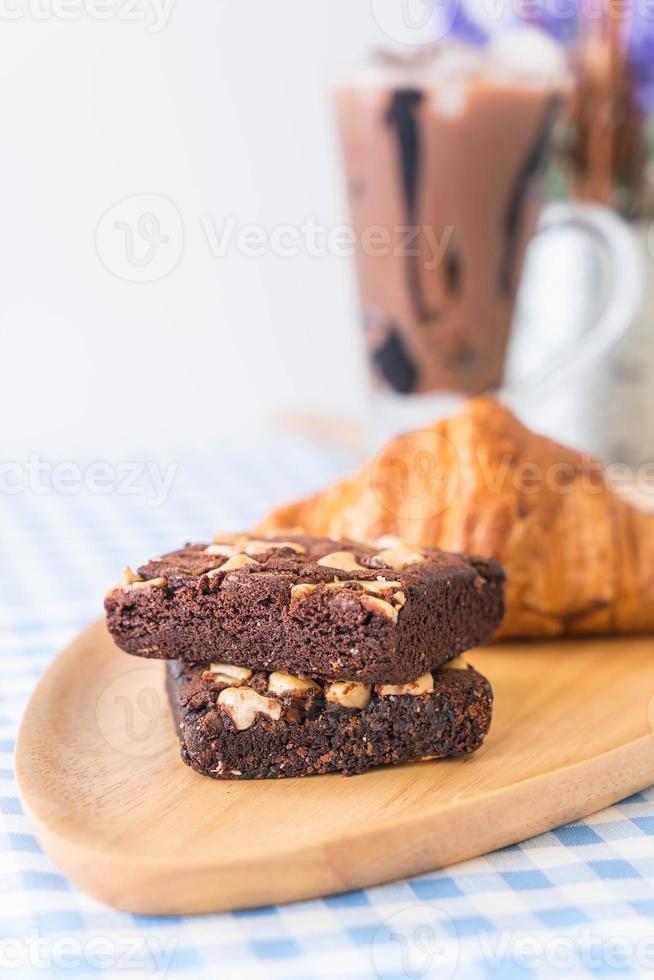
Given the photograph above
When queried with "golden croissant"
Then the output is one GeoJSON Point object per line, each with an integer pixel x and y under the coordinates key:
{"type": "Point", "coordinates": [579, 557]}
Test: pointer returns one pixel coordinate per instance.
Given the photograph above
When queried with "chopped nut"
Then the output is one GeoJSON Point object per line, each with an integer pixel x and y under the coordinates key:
{"type": "Point", "coordinates": [259, 547]}
{"type": "Point", "coordinates": [220, 549]}
{"type": "Point", "coordinates": [379, 585]}
{"type": "Point", "coordinates": [228, 538]}
{"type": "Point", "coordinates": [232, 544]}
{"type": "Point", "coordinates": [147, 583]}
{"type": "Point", "coordinates": [220, 680]}
{"type": "Point", "coordinates": [398, 557]}
{"type": "Point", "coordinates": [236, 561]}
{"type": "Point", "coordinates": [126, 579]}
{"type": "Point", "coordinates": [423, 685]}
{"type": "Point", "coordinates": [240, 673]}
{"type": "Point", "coordinates": [459, 663]}
{"type": "Point", "coordinates": [349, 694]}
{"type": "Point", "coordinates": [343, 560]}
{"type": "Point", "coordinates": [302, 590]}
{"type": "Point", "coordinates": [399, 598]}
{"type": "Point", "coordinates": [130, 580]}
{"type": "Point", "coordinates": [243, 705]}
{"type": "Point", "coordinates": [376, 605]}
{"type": "Point", "coordinates": [287, 684]}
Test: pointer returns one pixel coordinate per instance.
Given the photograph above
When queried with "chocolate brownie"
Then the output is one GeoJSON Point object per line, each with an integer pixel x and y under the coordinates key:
{"type": "Point", "coordinates": [311, 606]}
{"type": "Point", "coordinates": [239, 724]}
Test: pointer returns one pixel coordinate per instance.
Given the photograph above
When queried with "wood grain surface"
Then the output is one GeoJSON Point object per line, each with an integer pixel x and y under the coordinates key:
{"type": "Point", "coordinates": [99, 772]}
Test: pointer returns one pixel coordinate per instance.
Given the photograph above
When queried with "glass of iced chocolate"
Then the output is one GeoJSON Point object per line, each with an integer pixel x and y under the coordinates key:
{"type": "Point", "coordinates": [444, 154]}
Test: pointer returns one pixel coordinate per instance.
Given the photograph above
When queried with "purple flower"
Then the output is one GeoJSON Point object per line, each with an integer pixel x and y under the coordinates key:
{"type": "Point", "coordinates": [471, 23]}
{"type": "Point", "coordinates": [560, 19]}
{"type": "Point", "coordinates": [463, 26]}
{"type": "Point", "coordinates": [640, 48]}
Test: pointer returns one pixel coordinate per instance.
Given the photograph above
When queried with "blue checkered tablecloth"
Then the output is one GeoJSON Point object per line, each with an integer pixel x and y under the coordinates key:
{"type": "Point", "coordinates": [575, 902]}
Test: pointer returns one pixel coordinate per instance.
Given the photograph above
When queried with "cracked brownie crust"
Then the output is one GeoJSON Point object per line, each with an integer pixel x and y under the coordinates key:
{"type": "Point", "coordinates": [312, 606]}
{"type": "Point", "coordinates": [257, 727]}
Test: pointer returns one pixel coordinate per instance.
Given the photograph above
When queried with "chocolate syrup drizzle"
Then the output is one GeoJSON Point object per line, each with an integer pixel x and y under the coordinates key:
{"type": "Point", "coordinates": [533, 165]}
{"type": "Point", "coordinates": [401, 116]}
{"type": "Point", "coordinates": [392, 358]}
{"type": "Point", "coordinates": [393, 362]}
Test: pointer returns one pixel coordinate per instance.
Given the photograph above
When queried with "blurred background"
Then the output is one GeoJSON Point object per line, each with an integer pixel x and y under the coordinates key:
{"type": "Point", "coordinates": [210, 305]}
{"type": "Point", "coordinates": [174, 209]}
{"type": "Point", "coordinates": [221, 110]}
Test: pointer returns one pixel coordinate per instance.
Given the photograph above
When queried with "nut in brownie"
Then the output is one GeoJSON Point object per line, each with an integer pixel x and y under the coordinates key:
{"type": "Point", "coordinates": [308, 606]}
{"type": "Point", "coordinates": [238, 723]}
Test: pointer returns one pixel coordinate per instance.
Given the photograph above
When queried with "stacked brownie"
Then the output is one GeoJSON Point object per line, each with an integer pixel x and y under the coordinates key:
{"type": "Point", "coordinates": [294, 656]}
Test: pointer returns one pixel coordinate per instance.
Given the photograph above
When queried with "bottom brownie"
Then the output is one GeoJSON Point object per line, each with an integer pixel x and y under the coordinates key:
{"type": "Point", "coordinates": [238, 724]}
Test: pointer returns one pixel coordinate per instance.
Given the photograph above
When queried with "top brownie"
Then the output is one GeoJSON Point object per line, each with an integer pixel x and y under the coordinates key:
{"type": "Point", "coordinates": [310, 606]}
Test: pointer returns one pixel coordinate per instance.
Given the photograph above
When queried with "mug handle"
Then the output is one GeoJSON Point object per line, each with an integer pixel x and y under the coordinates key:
{"type": "Point", "coordinates": [625, 297]}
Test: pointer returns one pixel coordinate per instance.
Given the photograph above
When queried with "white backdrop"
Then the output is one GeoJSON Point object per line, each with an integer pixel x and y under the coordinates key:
{"type": "Point", "coordinates": [219, 107]}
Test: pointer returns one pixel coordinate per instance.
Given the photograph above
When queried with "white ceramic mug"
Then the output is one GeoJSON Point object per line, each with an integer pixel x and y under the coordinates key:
{"type": "Point", "coordinates": [581, 290]}
{"type": "Point", "coordinates": [580, 298]}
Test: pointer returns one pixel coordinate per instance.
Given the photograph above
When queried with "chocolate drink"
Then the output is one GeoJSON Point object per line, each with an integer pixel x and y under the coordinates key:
{"type": "Point", "coordinates": [443, 156]}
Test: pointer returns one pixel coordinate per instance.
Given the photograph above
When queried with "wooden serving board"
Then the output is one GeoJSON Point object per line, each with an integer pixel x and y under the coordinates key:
{"type": "Point", "coordinates": [99, 771]}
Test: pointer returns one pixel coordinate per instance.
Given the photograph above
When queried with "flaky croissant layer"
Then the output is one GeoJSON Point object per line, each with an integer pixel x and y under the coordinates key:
{"type": "Point", "coordinates": [579, 557]}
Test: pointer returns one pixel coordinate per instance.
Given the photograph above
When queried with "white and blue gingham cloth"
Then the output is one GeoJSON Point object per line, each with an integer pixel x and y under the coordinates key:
{"type": "Point", "coordinates": [577, 901]}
